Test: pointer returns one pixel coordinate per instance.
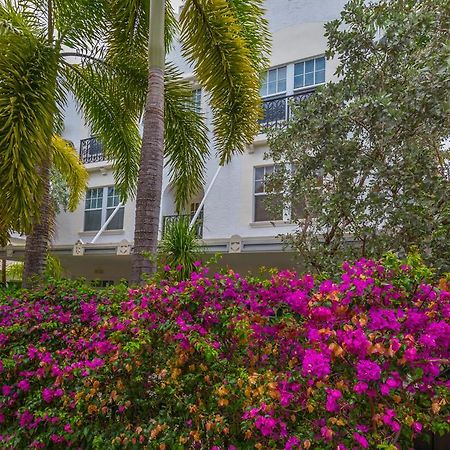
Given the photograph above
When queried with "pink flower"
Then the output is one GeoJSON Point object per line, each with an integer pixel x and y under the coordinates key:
{"type": "Point", "coordinates": [315, 364]}
{"type": "Point", "coordinates": [361, 440]}
{"type": "Point", "coordinates": [24, 385]}
{"type": "Point", "coordinates": [368, 370]}
{"type": "Point", "coordinates": [47, 395]}
{"type": "Point", "coordinates": [417, 427]}
{"type": "Point", "coordinates": [6, 390]}
{"type": "Point", "coordinates": [333, 396]}
{"type": "Point", "coordinates": [360, 387]}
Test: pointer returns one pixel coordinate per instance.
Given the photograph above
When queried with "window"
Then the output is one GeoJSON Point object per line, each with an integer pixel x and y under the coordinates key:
{"type": "Point", "coordinates": [100, 204]}
{"type": "Point", "coordinates": [274, 82]}
{"type": "Point", "coordinates": [261, 213]}
{"type": "Point", "coordinates": [197, 99]}
{"type": "Point", "coordinates": [309, 73]}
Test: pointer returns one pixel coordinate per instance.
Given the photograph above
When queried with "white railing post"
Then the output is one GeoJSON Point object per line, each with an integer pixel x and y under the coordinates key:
{"type": "Point", "coordinates": [108, 220]}
{"type": "Point", "coordinates": [202, 203]}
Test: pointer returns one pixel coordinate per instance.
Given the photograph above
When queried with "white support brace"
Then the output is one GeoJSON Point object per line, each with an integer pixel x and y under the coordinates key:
{"type": "Point", "coordinates": [202, 203]}
{"type": "Point", "coordinates": [108, 220]}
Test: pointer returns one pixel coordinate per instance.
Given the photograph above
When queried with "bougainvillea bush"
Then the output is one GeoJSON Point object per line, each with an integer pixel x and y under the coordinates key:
{"type": "Point", "coordinates": [225, 362]}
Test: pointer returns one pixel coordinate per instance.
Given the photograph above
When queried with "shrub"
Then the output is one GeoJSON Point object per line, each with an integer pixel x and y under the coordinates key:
{"type": "Point", "coordinates": [224, 362]}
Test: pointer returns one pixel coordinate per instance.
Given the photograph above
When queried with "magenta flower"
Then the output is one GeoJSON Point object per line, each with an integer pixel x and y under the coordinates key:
{"type": "Point", "coordinates": [333, 396]}
{"type": "Point", "coordinates": [6, 390]}
{"type": "Point", "coordinates": [315, 364]}
{"type": "Point", "coordinates": [47, 395]}
{"type": "Point", "coordinates": [361, 440]}
{"type": "Point", "coordinates": [368, 370]}
{"type": "Point", "coordinates": [24, 385]}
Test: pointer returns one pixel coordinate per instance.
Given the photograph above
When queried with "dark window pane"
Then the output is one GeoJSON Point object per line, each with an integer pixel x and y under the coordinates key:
{"type": "Point", "coordinates": [92, 220]}
{"type": "Point", "coordinates": [309, 66]}
{"type": "Point", "coordinates": [320, 63]}
{"type": "Point", "coordinates": [309, 79]}
{"type": "Point", "coordinates": [259, 186]}
{"type": "Point", "coordinates": [259, 173]}
{"type": "Point", "coordinates": [298, 81]}
{"type": "Point", "coordinates": [272, 75]}
{"type": "Point", "coordinates": [299, 69]}
{"type": "Point", "coordinates": [260, 210]}
{"type": "Point", "coordinates": [298, 209]}
{"type": "Point", "coordinates": [117, 221]}
{"type": "Point", "coordinates": [320, 76]}
{"type": "Point", "coordinates": [272, 87]}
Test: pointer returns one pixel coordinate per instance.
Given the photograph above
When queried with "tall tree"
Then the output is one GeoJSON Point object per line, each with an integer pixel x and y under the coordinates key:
{"type": "Point", "coordinates": [35, 78]}
{"type": "Point", "coordinates": [370, 152]}
{"type": "Point", "coordinates": [227, 42]}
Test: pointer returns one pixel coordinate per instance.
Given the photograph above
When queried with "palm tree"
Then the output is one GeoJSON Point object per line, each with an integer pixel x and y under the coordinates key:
{"type": "Point", "coordinates": [35, 79]}
{"type": "Point", "coordinates": [227, 42]}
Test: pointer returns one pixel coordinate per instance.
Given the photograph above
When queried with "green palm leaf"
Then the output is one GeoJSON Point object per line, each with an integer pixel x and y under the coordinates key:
{"type": "Point", "coordinates": [67, 162]}
{"type": "Point", "coordinates": [27, 107]}
{"type": "Point", "coordinates": [186, 141]}
{"type": "Point", "coordinates": [217, 38]}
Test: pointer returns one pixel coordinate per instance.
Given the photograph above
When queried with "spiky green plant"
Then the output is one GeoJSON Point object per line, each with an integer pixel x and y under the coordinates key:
{"type": "Point", "coordinates": [180, 247]}
{"type": "Point", "coordinates": [53, 269]}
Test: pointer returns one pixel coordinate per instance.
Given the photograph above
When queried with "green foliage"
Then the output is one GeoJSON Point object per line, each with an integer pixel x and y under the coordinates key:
{"type": "Point", "coordinates": [179, 248]}
{"type": "Point", "coordinates": [228, 44]}
{"type": "Point", "coordinates": [53, 270]}
{"type": "Point", "coordinates": [228, 362]}
{"type": "Point", "coordinates": [374, 139]}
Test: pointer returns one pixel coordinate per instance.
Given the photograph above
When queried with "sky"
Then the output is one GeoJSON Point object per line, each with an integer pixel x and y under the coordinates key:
{"type": "Point", "coordinates": [176, 4]}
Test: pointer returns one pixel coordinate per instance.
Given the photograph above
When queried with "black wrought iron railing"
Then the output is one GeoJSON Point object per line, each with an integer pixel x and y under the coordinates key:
{"type": "Point", "coordinates": [91, 150]}
{"type": "Point", "coordinates": [167, 220]}
{"type": "Point", "coordinates": [278, 110]}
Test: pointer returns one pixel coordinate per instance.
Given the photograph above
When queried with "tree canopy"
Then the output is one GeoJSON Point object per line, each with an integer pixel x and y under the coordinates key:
{"type": "Point", "coordinates": [370, 152]}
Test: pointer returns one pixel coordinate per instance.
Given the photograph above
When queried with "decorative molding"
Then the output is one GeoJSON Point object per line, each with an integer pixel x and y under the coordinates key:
{"type": "Point", "coordinates": [124, 248]}
{"type": "Point", "coordinates": [235, 244]}
{"type": "Point", "coordinates": [78, 249]}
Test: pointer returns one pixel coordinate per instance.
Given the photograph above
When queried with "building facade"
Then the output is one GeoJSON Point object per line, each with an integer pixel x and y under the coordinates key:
{"type": "Point", "coordinates": [233, 220]}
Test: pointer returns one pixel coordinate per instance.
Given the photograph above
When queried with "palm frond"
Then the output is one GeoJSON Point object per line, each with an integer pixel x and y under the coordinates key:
{"type": "Point", "coordinates": [80, 23]}
{"type": "Point", "coordinates": [255, 30]}
{"type": "Point", "coordinates": [127, 35]}
{"type": "Point", "coordinates": [24, 17]}
{"type": "Point", "coordinates": [217, 39]}
{"type": "Point", "coordinates": [186, 141]}
{"type": "Point", "coordinates": [72, 170]}
{"type": "Point", "coordinates": [101, 98]}
{"type": "Point", "coordinates": [27, 108]}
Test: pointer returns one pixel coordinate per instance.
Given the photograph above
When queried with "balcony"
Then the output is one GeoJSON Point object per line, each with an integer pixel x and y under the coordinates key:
{"type": "Point", "coordinates": [198, 224]}
{"type": "Point", "coordinates": [91, 151]}
{"type": "Point", "coordinates": [278, 111]}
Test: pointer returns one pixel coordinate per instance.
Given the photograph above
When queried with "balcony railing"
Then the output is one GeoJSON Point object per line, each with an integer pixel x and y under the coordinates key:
{"type": "Point", "coordinates": [167, 220]}
{"type": "Point", "coordinates": [91, 150]}
{"type": "Point", "coordinates": [278, 111]}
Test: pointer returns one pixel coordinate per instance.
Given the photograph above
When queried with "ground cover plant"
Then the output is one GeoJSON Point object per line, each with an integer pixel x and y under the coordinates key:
{"type": "Point", "coordinates": [225, 362]}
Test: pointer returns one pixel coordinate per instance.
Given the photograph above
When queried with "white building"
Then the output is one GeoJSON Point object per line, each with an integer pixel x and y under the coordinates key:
{"type": "Point", "coordinates": [234, 221]}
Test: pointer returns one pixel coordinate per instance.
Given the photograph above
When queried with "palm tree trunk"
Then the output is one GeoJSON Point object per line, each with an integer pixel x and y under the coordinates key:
{"type": "Point", "coordinates": [148, 198]}
{"type": "Point", "coordinates": [36, 246]}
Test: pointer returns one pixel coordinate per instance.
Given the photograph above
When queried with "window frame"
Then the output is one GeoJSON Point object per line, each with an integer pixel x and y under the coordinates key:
{"type": "Point", "coordinates": [314, 73]}
{"type": "Point", "coordinates": [265, 81]}
{"type": "Point", "coordinates": [105, 190]}
{"type": "Point", "coordinates": [263, 193]}
{"type": "Point", "coordinates": [289, 208]}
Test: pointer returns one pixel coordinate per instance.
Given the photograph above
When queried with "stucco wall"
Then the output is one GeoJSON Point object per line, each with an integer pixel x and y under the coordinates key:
{"type": "Point", "coordinates": [297, 33]}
